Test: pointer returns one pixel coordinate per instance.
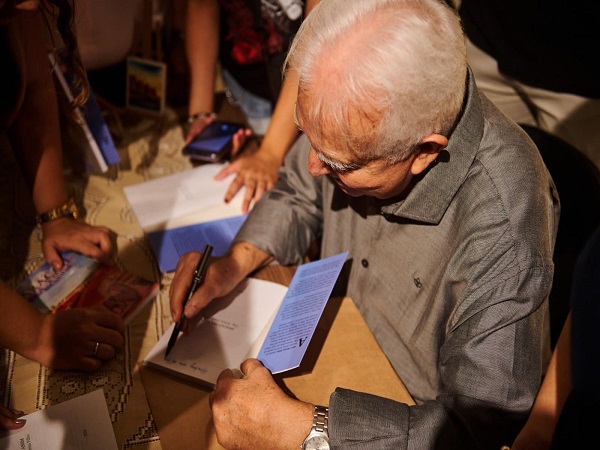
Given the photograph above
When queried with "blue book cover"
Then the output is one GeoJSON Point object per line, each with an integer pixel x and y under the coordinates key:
{"type": "Point", "coordinates": [170, 245]}
{"type": "Point", "coordinates": [97, 124]}
{"type": "Point", "coordinates": [92, 123]}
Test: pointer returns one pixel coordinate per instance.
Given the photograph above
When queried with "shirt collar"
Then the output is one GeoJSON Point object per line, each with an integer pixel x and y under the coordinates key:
{"type": "Point", "coordinates": [430, 197]}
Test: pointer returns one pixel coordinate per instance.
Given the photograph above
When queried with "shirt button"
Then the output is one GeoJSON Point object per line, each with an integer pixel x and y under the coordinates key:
{"type": "Point", "coordinates": [365, 263]}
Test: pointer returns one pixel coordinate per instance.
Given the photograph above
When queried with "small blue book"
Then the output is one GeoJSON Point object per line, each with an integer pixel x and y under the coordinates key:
{"type": "Point", "coordinates": [92, 125]}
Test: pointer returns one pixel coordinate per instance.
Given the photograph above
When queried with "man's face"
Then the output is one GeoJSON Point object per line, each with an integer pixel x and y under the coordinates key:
{"type": "Point", "coordinates": [376, 178]}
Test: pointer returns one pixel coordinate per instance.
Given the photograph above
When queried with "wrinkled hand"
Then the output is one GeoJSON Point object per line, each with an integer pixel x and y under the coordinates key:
{"type": "Point", "coordinates": [257, 172]}
{"type": "Point", "coordinates": [68, 339]}
{"type": "Point", "coordinates": [253, 412]}
{"type": "Point", "coordinates": [221, 278]}
{"type": "Point", "coordinates": [9, 419]}
{"type": "Point", "coordinates": [76, 235]}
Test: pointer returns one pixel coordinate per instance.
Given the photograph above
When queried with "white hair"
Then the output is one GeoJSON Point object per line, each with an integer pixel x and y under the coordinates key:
{"type": "Point", "coordinates": [382, 73]}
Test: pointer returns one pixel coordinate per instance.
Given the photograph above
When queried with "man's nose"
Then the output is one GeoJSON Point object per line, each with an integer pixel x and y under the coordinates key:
{"type": "Point", "coordinates": [316, 167]}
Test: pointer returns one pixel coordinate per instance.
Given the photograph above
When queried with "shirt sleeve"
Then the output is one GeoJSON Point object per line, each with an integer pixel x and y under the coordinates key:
{"type": "Point", "coordinates": [289, 217]}
{"type": "Point", "coordinates": [490, 374]}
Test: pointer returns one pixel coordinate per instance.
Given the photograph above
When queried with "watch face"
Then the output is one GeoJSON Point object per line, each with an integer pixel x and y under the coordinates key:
{"type": "Point", "coordinates": [317, 443]}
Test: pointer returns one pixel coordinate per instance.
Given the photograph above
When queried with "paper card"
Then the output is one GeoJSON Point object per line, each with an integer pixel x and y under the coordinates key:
{"type": "Point", "coordinates": [81, 423]}
{"type": "Point", "coordinates": [146, 85]}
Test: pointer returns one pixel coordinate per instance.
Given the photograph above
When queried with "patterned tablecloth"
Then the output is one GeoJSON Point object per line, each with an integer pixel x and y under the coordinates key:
{"type": "Point", "coordinates": [150, 148]}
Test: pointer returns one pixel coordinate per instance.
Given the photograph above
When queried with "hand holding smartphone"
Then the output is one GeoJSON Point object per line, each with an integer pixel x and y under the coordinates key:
{"type": "Point", "coordinates": [214, 142]}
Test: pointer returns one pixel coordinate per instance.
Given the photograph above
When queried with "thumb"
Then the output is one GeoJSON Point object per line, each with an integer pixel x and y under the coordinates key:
{"type": "Point", "coordinates": [53, 258]}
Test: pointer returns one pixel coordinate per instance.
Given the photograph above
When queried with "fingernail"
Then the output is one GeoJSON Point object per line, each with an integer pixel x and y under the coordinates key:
{"type": "Point", "coordinates": [56, 267]}
{"type": "Point", "coordinates": [20, 421]}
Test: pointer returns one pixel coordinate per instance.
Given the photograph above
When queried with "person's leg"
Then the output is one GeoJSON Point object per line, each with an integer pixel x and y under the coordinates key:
{"type": "Point", "coordinates": [501, 90]}
{"type": "Point", "coordinates": [573, 118]}
{"type": "Point", "coordinates": [258, 110]}
{"type": "Point", "coordinates": [581, 414]}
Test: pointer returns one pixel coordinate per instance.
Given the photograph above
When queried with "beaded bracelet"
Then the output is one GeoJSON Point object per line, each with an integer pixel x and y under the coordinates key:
{"type": "Point", "coordinates": [202, 115]}
{"type": "Point", "coordinates": [69, 209]}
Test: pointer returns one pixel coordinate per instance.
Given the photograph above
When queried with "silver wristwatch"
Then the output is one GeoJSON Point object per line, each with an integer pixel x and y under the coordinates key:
{"type": "Point", "coordinates": [318, 438]}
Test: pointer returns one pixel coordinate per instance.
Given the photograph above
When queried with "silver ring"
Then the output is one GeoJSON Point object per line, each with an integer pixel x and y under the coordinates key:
{"type": "Point", "coordinates": [96, 348]}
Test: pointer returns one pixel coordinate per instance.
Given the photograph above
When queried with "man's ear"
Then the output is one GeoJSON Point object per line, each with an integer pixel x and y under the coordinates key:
{"type": "Point", "coordinates": [429, 149]}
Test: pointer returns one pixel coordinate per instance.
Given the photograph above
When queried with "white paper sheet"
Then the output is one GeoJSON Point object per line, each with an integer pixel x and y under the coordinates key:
{"type": "Point", "coordinates": [82, 423]}
{"type": "Point", "coordinates": [183, 198]}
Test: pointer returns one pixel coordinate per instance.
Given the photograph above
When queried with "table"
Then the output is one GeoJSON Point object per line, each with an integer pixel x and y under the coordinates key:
{"type": "Point", "coordinates": [343, 353]}
{"type": "Point", "coordinates": [143, 407]}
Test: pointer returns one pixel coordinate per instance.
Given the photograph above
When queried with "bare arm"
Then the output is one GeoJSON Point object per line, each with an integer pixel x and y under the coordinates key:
{"type": "Point", "coordinates": [65, 340]}
{"type": "Point", "coordinates": [35, 138]}
{"type": "Point", "coordinates": [539, 428]}
{"type": "Point", "coordinates": [202, 46]}
{"type": "Point", "coordinates": [35, 133]}
{"type": "Point", "coordinates": [258, 171]}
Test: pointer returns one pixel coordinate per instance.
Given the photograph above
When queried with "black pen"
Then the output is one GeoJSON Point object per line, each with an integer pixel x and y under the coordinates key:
{"type": "Point", "coordinates": [197, 281]}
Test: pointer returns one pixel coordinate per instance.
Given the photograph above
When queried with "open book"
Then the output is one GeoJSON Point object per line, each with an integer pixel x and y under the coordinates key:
{"type": "Point", "coordinates": [260, 319]}
{"type": "Point", "coordinates": [85, 282]}
{"type": "Point", "coordinates": [184, 211]}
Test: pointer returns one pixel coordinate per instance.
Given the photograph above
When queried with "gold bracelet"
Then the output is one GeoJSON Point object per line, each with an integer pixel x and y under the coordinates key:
{"type": "Point", "coordinates": [69, 209]}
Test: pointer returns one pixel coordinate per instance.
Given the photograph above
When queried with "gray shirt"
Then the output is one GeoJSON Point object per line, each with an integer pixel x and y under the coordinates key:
{"type": "Point", "coordinates": [453, 282]}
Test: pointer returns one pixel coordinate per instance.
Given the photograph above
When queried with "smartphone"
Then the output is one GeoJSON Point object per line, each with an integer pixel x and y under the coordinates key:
{"type": "Point", "coordinates": [214, 142]}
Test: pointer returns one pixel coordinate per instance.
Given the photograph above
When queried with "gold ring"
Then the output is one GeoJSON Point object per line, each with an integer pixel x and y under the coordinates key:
{"type": "Point", "coordinates": [96, 348]}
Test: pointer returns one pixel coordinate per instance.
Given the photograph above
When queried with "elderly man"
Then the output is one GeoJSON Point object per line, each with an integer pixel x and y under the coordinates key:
{"type": "Point", "coordinates": [449, 217]}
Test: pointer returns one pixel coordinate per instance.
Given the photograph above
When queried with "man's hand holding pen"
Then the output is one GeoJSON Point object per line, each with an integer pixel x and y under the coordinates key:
{"type": "Point", "coordinates": [222, 276]}
{"type": "Point", "coordinates": [197, 281]}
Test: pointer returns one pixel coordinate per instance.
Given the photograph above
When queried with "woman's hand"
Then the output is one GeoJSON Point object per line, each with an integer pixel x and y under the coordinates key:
{"type": "Point", "coordinates": [67, 339]}
{"type": "Point", "coordinates": [68, 234]}
{"type": "Point", "coordinates": [257, 172]}
{"type": "Point", "coordinates": [10, 419]}
{"type": "Point", "coordinates": [195, 127]}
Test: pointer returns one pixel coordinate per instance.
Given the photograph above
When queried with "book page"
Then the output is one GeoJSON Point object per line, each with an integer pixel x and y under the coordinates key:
{"type": "Point", "coordinates": [222, 337]}
{"type": "Point", "coordinates": [299, 314]}
{"type": "Point", "coordinates": [234, 327]}
{"type": "Point", "coordinates": [192, 192]}
{"type": "Point", "coordinates": [82, 423]}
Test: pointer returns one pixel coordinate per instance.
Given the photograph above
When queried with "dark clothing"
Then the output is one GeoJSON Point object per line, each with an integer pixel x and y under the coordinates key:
{"type": "Point", "coordinates": [12, 89]}
{"type": "Point", "coordinates": [580, 415]}
{"type": "Point", "coordinates": [255, 37]}
{"type": "Point", "coordinates": [546, 44]}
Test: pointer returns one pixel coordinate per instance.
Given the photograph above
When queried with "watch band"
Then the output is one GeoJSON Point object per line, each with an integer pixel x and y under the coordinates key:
{"type": "Point", "coordinates": [321, 419]}
{"type": "Point", "coordinates": [318, 438]}
{"type": "Point", "coordinates": [69, 209]}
